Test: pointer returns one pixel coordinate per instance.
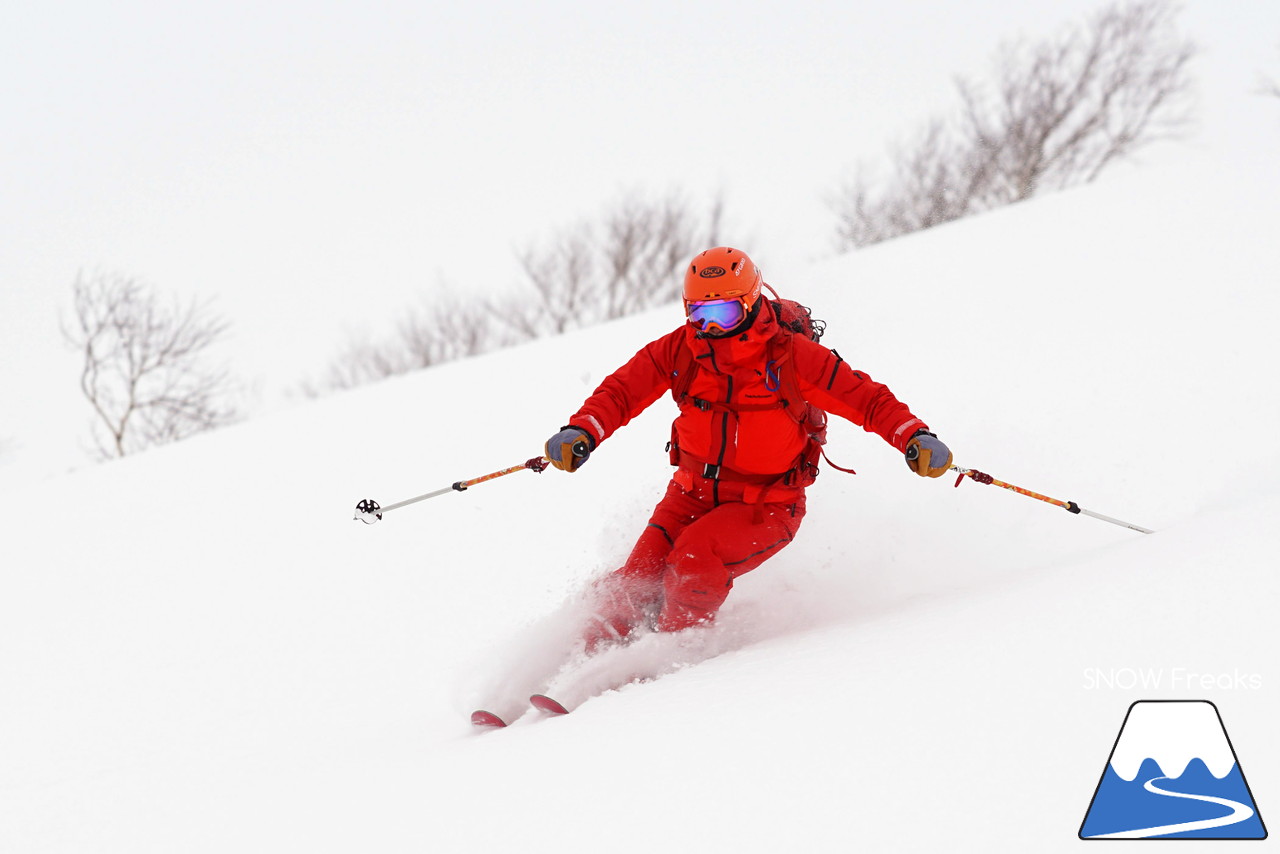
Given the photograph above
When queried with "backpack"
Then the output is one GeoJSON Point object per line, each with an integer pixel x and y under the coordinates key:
{"type": "Point", "coordinates": [793, 319]}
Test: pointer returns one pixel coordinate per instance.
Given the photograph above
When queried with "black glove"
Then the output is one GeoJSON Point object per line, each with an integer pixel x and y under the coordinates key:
{"type": "Point", "coordinates": [569, 448]}
{"type": "Point", "coordinates": [927, 456]}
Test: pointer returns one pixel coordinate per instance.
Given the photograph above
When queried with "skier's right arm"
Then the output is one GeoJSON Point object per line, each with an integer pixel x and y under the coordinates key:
{"type": "Point", "coordinates": [629, 390]}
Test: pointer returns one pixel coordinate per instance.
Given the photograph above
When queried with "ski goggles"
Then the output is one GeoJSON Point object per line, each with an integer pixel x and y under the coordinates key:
{"type": "Point", "coordinates": [716, 315]}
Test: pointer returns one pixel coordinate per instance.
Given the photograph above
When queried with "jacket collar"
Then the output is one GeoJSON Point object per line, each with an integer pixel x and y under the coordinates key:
{"type": "Point", "coordinates": [742, 350]}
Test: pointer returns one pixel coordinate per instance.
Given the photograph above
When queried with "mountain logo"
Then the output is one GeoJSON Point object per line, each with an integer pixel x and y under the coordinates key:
{"type": "Point", "coordinates": [1173, 774]}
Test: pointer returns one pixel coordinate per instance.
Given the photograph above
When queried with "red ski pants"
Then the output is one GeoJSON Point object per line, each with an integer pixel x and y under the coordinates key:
{"type": "Point", "coordinates": [696, 543]}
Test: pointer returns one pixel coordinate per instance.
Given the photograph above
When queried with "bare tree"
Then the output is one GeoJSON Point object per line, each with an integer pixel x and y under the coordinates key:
{"type": "Point", "coordinates": [142, 370]}
{"type": "Point", "coordinates": [626, 261]}
{"type": "Point", "coordinates": [561, 286]}
{"type": "Point", "coordinates": [1057, 113]}
{"type": "Point", "coordinates": [440, 331]}
{"type": "Point", "coordinates": [930, 184]}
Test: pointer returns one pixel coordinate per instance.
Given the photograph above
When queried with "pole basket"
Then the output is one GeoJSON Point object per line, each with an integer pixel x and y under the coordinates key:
{"type": "Point", "coordinates": [368, 511]}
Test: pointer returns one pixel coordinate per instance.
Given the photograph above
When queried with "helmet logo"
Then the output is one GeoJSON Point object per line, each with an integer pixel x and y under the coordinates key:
{"type": "Point", "coordinates": [711, 272]}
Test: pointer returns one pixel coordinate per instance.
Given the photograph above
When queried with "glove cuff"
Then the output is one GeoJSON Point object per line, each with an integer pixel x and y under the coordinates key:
{"type": "Point", "coordinates": [591, 440]}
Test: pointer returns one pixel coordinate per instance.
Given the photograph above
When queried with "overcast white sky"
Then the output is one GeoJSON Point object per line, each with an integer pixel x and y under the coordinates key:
{"type": "Point", "coordinates": [314, 166]}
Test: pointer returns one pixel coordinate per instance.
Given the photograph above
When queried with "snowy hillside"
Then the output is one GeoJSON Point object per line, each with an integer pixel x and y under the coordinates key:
{"type": "Point", "coordinates": [200, 651]}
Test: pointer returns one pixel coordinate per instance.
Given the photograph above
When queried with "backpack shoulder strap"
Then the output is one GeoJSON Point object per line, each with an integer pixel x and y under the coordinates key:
{"type": "Point", "coordinates": [682, 375]}
{"type": "Point", "coordinates": [788, 383]}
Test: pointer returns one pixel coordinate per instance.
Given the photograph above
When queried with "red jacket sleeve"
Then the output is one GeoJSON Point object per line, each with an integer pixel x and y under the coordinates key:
{"type": "Point", "coordinates": [630, 389]}
{"type": "Point", "coordinates": [828, 382]}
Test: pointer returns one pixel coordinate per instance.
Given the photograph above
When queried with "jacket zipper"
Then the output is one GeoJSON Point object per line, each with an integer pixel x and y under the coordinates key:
{"type": "Point", "coordinates": [724, 440]}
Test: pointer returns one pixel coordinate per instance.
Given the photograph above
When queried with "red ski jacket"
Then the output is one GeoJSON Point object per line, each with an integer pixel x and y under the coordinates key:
{"type": "Point", "coordinates": [737, 371]}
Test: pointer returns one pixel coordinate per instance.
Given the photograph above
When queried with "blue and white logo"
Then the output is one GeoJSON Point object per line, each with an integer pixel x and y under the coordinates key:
{"type": "Point", "coordinates": [1173, 774]}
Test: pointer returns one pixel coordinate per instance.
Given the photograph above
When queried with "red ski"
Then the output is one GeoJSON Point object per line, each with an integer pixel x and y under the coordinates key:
{"type": "Point", "coordinates": [484, 719]}
{"type": "Point", "coordinates": [543, 703]}
{"type": "Point", "coordinates": [481, 718]}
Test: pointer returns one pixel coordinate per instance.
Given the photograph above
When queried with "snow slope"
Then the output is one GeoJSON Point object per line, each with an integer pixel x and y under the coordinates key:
{"type": "Point", "coordinates": [199, 651]}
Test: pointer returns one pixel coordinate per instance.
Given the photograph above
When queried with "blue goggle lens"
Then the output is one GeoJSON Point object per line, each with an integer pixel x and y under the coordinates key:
{"type": "Point", "coordinates": [717, 314]}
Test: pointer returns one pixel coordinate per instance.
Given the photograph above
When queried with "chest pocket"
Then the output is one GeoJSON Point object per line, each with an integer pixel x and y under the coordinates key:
{"type": "Point", "coordinates": [739, 421]}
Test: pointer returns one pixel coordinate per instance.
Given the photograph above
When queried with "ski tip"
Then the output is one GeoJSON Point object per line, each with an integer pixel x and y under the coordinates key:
{"type": "Point", "coordinates": [481, 718]}
{"type": "Point", "coordinates": [543, 703]}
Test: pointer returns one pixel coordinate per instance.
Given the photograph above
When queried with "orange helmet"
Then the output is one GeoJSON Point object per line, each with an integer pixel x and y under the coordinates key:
{"type": "Point", "coordinates": [721, 287]}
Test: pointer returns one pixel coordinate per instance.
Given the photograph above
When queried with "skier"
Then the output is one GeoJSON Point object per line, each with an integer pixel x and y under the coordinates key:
{"type": "Point", "coordinates": [737, 496]}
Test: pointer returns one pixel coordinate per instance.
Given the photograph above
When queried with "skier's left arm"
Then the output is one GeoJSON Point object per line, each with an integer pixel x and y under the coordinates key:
{"type": "Point", "coordinates": [828, 382]}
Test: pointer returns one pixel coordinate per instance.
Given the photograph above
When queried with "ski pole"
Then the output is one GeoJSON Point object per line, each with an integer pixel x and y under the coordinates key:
{"type": "Point", "coordinates": [1069, 506]}
{"type": "Point", "coordinates": [369, 511]}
